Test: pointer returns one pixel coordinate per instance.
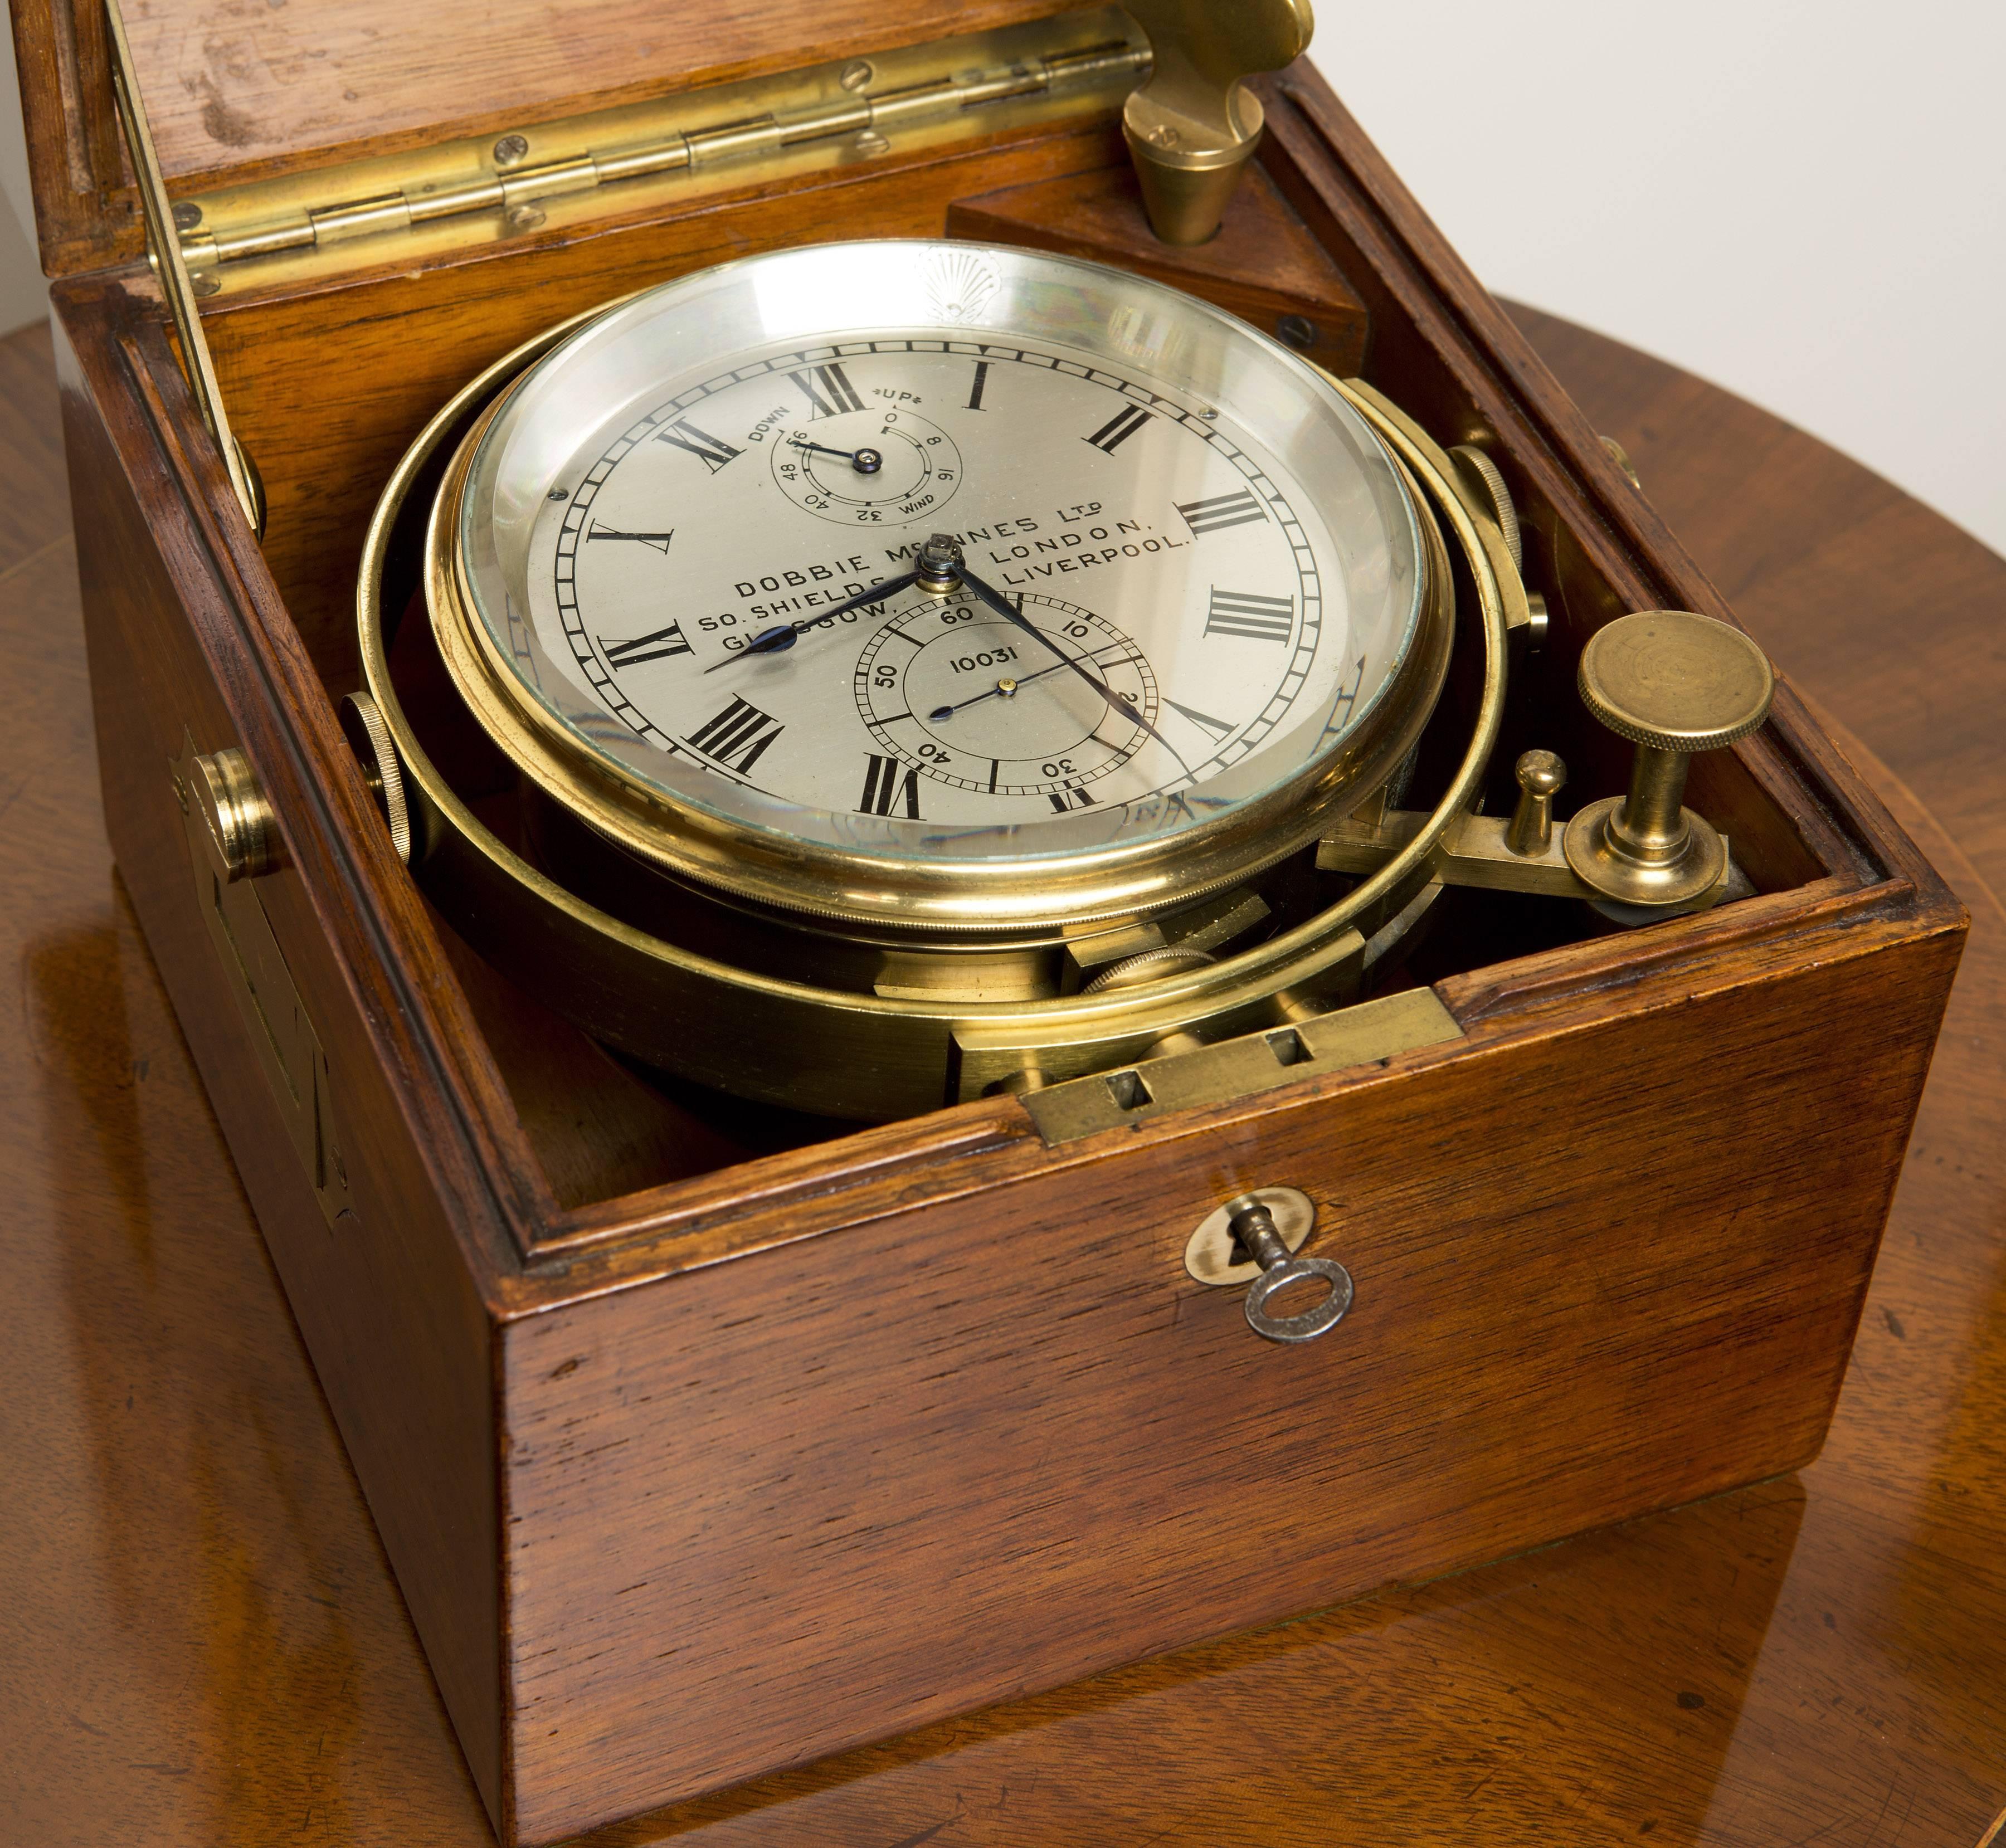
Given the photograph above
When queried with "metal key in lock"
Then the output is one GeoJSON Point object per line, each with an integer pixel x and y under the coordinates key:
{"type": "Point", "coordinates": [1253, 1239]}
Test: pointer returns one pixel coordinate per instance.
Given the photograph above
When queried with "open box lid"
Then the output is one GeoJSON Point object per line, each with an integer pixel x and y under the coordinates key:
{"type": "Point", "coordinates": [240, 91]}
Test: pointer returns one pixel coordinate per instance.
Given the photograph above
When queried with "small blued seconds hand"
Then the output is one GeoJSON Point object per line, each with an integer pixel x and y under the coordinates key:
{"type": "Point", "coordinates": [783, 634]}
{"type": "Point", "coordinates": [1009, 689]}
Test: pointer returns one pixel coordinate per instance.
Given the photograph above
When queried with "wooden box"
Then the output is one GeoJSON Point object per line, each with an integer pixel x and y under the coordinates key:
{"type": "Point", "coordinates": [702, 1446]}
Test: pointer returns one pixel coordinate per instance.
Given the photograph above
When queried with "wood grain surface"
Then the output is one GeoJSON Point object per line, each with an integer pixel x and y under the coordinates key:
{"type": "Point", "coordinates": [245, 89]}
{"type": "Point", "coordinates": [1262, 264]}
{"type": "Point", "coordinates": [666, 1524]}
{"type": "Point", "coordinates": [208, 1647]}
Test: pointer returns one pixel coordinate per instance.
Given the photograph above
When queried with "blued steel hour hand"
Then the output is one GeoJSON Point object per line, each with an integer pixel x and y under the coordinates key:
{"type": "Point", "coordinates": [782, 635]}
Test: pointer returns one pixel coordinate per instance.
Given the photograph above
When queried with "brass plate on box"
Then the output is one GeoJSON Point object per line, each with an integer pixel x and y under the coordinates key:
{"type": "Point", "coordinates": [1209, 1252]}
{"type": "Point", "coordinates": [1369, 1034]}
{"type": "Point", "coordinates": [231, 845]}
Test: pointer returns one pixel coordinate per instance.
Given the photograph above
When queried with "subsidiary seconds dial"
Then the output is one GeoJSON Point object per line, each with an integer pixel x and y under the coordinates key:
{"type": "Point", "coordinates": [971, 700]}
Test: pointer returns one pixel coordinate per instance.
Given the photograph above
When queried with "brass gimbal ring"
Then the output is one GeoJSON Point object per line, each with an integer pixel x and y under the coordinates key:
{"type": "Point", "coordinates": [798, 1044]}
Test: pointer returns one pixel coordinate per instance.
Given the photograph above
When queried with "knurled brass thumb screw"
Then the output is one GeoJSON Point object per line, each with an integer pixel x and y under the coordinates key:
{"type": "Point", "coordinates": [1675, 683]}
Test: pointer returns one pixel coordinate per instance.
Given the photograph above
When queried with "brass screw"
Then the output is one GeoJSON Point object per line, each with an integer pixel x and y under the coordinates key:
{"type": "Point", "coordinates": [855, 74]}
{"type": "Point", "coordinates": [938, 565]}
{"type": "Point", "coordinates": [1621, 456]}
{"type": "Point", "coordinates": [510, 149]}
{"type": "Point", "coordinates": [188, 215]}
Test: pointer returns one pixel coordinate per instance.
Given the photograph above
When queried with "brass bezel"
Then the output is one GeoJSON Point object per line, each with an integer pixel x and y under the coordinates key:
{"type": "Point", "coordinates": [1018, 896]}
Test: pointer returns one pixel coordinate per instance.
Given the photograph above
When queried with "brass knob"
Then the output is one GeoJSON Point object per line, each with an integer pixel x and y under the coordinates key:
{"type": "Point", "coordinates": [1482, 477]}
{"type": "Point", "coordinates": [1673, 683]}
{"type": "Point", "coordinates": [242, 832]}
{"type": "Point", "coordinates": [1541, 776]}
{"type": "Point", "coordinates": [1487, 479]}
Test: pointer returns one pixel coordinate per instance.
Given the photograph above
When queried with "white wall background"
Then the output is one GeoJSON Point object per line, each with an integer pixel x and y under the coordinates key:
{"type": "Point", "coordinates": [1802, 200]}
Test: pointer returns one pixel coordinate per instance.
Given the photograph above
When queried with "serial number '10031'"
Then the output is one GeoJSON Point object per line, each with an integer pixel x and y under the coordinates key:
{"type": "Point", "coordinates": [995, 657]}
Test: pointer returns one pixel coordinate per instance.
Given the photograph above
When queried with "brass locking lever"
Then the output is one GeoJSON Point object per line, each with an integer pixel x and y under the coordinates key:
{"type": "Point", "coordinates": [1541, 776]}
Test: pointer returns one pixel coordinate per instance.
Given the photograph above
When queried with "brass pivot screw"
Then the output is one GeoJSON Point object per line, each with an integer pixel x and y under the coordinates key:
{"type": "Point", "coordinates": [1541, 777]}
{"type": "Point", "coordinates": [936, 566]}
{"type": "Point", "coordinates": [1673, 683]}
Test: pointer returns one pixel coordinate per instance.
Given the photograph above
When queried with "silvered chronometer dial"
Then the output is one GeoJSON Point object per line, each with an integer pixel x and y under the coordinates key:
{"type": "Point", "coordinates": [936, 586]}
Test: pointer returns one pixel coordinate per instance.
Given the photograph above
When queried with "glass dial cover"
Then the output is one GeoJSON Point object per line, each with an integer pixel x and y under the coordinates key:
{"type": "Point", "coordinates": [1192, 575]}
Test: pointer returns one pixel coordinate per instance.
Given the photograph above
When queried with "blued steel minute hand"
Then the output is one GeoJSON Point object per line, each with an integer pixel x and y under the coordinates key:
{"type": "Point", "coordinates": [772, 641]}
{"type": "Point", "coordinates": [1002, 606]}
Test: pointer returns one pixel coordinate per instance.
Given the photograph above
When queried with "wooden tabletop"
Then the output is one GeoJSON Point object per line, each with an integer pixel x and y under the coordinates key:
{"type": "Point", "coordinates": [202, 1643]}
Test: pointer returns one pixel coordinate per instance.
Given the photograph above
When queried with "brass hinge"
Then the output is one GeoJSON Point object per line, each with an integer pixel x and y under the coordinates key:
{"type": "Point", "coordinates": [418, 205]}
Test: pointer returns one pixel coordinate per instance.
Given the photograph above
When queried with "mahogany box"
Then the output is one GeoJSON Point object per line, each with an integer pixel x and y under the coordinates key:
{"type": "Point", "coordinates": [703, 1443]}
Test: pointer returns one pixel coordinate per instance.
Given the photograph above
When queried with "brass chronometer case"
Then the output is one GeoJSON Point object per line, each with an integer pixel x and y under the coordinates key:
{"type": "Point", "coordinates": [1517, 1142]}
